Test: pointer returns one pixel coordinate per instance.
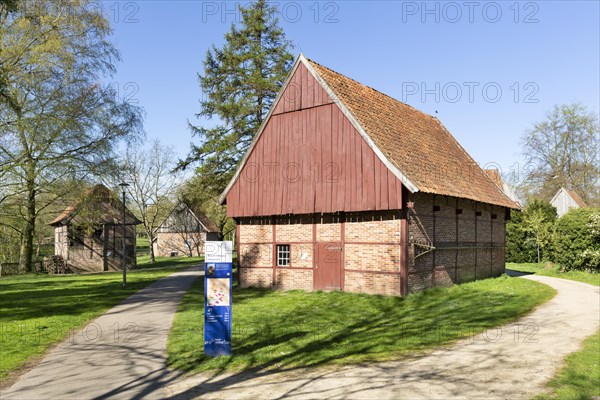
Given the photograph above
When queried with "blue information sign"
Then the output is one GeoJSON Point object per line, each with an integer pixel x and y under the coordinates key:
{"type": "Point", "coordinates": [217, 299]}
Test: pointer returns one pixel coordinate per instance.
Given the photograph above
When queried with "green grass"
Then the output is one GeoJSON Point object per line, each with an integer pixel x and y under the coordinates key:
{"type": "Point", "coordinates": [579, 378]}
{"type": "Point", "coordinates": [540, 269]}
{"type": "Point", "coordinates": [143, 262]}
{"type": "Point", "coordinates": [294, 328]}
{"type": "Point", "coordinates": [37, 311]}
{"type": "Point", "coordinates": [142, 245]}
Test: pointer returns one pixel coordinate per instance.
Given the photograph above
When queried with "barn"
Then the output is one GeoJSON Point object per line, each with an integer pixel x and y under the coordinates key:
{"type": "Point", "coordinates": [566, 199]}
{"type": "Point", "coordinates": [184, 232]}
{"type": "Point", "coordinates": [88, 233]}
{"type": "Point", "coordinates": [345, 188]}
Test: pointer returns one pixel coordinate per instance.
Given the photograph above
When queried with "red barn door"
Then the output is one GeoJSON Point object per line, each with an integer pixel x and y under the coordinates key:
{"type": "Point", "coordinates": [328, 270]}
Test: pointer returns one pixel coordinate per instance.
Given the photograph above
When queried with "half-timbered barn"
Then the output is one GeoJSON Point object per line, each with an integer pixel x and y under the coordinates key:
{"type": "Point", "coordinates": [346, 188]}
{"type": "Point", "coordinates": [184, 232]}
{"type": "Point", "coordinates": [88, 235]}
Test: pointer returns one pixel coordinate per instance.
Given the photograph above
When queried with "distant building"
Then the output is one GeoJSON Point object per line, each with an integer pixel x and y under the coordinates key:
{"type": "Point", "coordinates": [88, 234]}
{"type": "Point", "coordinates": [566, 199]}
{"type": "Point", "coordinates": [183, 233]}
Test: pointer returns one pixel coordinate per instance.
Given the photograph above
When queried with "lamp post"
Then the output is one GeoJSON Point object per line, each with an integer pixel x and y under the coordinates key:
{"type": "Point", "coordinates": [123, 186]}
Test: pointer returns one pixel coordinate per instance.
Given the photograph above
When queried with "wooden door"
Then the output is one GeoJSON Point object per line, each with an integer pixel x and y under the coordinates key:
{"type": "Point", "coordinates": [328, 269]}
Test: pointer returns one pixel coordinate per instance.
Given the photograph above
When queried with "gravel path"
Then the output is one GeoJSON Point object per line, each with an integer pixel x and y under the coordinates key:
{"type": "Point", "coordinates": [121, 354]}
{"type": "Point", "coordinates": [511, 362]}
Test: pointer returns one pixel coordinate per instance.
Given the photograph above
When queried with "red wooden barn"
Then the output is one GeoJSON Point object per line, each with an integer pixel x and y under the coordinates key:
{"type": "Point", "coordinates": [345, 188]}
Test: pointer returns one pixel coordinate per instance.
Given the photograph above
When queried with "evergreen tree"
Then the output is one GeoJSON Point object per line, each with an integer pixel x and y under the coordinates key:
{"type": "Point", "coordinates": [240, 81]}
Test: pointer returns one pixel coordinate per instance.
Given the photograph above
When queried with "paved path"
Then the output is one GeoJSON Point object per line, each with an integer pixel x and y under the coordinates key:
{"type": "Point", "coordinates": [507, 368]}
{"type": "Point", "coordinates": [121, 354]}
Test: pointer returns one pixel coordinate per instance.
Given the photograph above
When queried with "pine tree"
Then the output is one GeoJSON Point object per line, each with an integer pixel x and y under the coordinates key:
{"type": "Point", "coordinates": [240, 81]}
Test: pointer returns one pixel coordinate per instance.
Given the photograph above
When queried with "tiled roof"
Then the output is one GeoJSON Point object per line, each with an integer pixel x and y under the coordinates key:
{"type": "Point", "coordinates": [105, 207]}
{"type": "Point", "coordinates": [416, 143]}
{"type": "Point", "coordinates": [204, 220]}
{"type": "Point", "coordinates": [576, 198]}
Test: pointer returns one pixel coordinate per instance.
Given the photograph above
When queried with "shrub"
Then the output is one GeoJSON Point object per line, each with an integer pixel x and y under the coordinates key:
{"type": "Point", "coordinates": [529, 231]}
{"type": "Point", "coordinates": [577, 240]}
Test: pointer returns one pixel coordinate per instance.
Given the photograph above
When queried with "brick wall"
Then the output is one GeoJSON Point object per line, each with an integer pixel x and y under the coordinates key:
{"type": "Point", "coordinates": [451, 240]}
{"type": "Point", "coordinates": [86, 253]}
{"type": "Point", "coordinates": [174, 243]}
{"type": "Point", "coordinates": [468, 238]}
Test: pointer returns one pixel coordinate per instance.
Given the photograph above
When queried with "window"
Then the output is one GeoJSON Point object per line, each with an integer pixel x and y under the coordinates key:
{"type": "Point", "coordinates": [283, 255]}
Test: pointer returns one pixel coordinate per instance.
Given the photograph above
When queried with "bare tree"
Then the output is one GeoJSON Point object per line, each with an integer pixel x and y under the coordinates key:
{"type": "Point", "coordinates": [153, 184]}
{"type": "Point", "coordinates": [565, 150]}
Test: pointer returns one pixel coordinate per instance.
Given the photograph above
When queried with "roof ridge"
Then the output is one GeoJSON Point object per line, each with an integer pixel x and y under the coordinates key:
{"type": "Point", "coordinates": [371, 88]}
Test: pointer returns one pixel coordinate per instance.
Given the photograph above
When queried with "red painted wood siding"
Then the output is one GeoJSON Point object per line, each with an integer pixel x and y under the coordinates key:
{"type": "Point", "coordinates": [310, 159]}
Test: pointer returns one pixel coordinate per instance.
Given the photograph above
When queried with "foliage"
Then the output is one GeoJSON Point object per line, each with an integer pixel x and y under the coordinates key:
{"type": "Point", "coordinates": [579, 378]}
{"type": "Point", "coordinates": [37, 311]}
{"type": "Point", "coordinates": [58, 122]}
{"type": "Point", "coordinates": [240, 82]}
{"type": "Point", "coordinates": [550, 269]}
{"type": "Point", "coordinates": [300, 329]}
{"type": "Point", "coordinates": [198, 197]}
{"type": "Point", "coordinates": [576, 240]}
{"type": "Point", "coordinates": [529, 231]}
{"type": "Point", "coordinates": [563, 151]}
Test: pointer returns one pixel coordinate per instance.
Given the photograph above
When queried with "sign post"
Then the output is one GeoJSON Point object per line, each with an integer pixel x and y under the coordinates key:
{"type": "Point", "coordinates": [218, 271]}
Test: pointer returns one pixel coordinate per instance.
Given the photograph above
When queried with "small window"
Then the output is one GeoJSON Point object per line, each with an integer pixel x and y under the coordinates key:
{"type": "Point", "coordinates": [283, 255]}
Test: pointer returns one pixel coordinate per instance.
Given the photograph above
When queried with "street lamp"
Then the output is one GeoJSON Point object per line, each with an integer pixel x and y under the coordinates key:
{"type": "Point", "coordinates": [123, 186]}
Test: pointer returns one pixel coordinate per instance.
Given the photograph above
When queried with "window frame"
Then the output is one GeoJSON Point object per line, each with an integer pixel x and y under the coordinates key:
{"type": "Point", "coordinates": [280, 254]}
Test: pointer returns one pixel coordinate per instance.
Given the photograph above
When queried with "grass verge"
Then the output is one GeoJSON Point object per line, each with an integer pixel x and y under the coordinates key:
{"type": "Point", "coordinates": [143, 262]}
{"type": "Point", "coordinates": [295, 328]}
{"type": "Point", "coordinates": [37, 311]}
{"type": "Point", "coordinates": [579, 378]}
{"type": "Point", "coordinates": [538, 269]}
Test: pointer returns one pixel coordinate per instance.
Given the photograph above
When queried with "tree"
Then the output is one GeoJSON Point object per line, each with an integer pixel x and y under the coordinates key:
{"type": "Point", "coordinates": [58, 121]}
{"type": "Point", "coordinates": [197, 197]}
{"type": "Point", "coordinates": [529, 233]}
{"type": "Point", "coordinates": [564, 150]}
{"type": "Point", "coordinates": [240, 81]}
{"type": "Point", "coordinates": [153, 184]}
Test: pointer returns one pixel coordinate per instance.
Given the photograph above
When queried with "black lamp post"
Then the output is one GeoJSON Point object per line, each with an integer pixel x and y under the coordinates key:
{"type": "Point", "coordinates": [123, 186]}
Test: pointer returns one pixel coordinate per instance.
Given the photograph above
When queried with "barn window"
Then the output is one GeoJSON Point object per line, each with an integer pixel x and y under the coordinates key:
{"type": "Point", "coordinates": [283, 255]}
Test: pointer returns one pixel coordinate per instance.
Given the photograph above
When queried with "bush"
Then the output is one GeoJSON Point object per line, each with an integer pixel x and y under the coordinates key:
{"type": "Point", "coordinates": [529, 229]}
{"type": "Point", "coordinates": [577, 240]}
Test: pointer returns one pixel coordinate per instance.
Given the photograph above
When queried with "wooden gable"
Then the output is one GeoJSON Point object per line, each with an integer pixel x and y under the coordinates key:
{"type": "Point", "coordinates": [309, 158]}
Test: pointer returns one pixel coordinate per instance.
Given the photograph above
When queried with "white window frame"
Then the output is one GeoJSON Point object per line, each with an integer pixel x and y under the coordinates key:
{"type": "Point", "coordinates": [284, 253]}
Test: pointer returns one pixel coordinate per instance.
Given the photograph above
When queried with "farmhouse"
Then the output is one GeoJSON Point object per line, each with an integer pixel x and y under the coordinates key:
{"type": "Point", "coordinates": [184, 232]}
{"type": "Point", "coordinates": [88, 234]}
{"type": "Point", "coordinates": [566, 199]}
{"type": "Point", "coordinates": [345, 188]}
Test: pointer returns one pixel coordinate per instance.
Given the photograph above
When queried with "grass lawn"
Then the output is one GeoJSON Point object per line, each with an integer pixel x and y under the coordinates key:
{"type": "Point", "coordinates": [579, 378]}
{"type": "Point", "coordinates": [539, 269]}
{"type": "Point", "coordinates": [142, 245]}
{"type": "Point", "coordinates": [143, 262]}
{"type": "Point", "coordinates": [37, 311]}
{"type": "Point", "coordinates": [295, 328]}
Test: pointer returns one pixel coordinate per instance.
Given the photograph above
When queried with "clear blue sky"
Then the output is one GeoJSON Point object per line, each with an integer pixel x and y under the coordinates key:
{"type": "Point", "coordinates": [536, 53]}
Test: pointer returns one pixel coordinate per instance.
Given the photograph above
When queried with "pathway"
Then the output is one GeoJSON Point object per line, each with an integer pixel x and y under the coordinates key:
{"type": "Point", "coordinates": [509, 364]}
{"type": "Point", "coordinates": [121, 354]}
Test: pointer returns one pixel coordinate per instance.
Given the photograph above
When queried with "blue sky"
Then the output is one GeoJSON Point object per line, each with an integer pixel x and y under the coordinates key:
{"type": "Point", "coordinates": [489, 69]}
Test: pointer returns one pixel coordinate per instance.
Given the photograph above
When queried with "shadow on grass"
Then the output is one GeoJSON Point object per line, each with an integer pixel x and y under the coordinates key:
{"type": "Point", "coordinates": [286, 331]}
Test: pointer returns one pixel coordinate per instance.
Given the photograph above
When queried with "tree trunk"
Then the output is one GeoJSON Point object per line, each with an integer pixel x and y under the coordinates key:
{"type": "Point", "coordinates": [538, 253]}
{"type": "Point", "coordinates": [26, 256]}
{"type": "Point", "coordinates": [151, 239]}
